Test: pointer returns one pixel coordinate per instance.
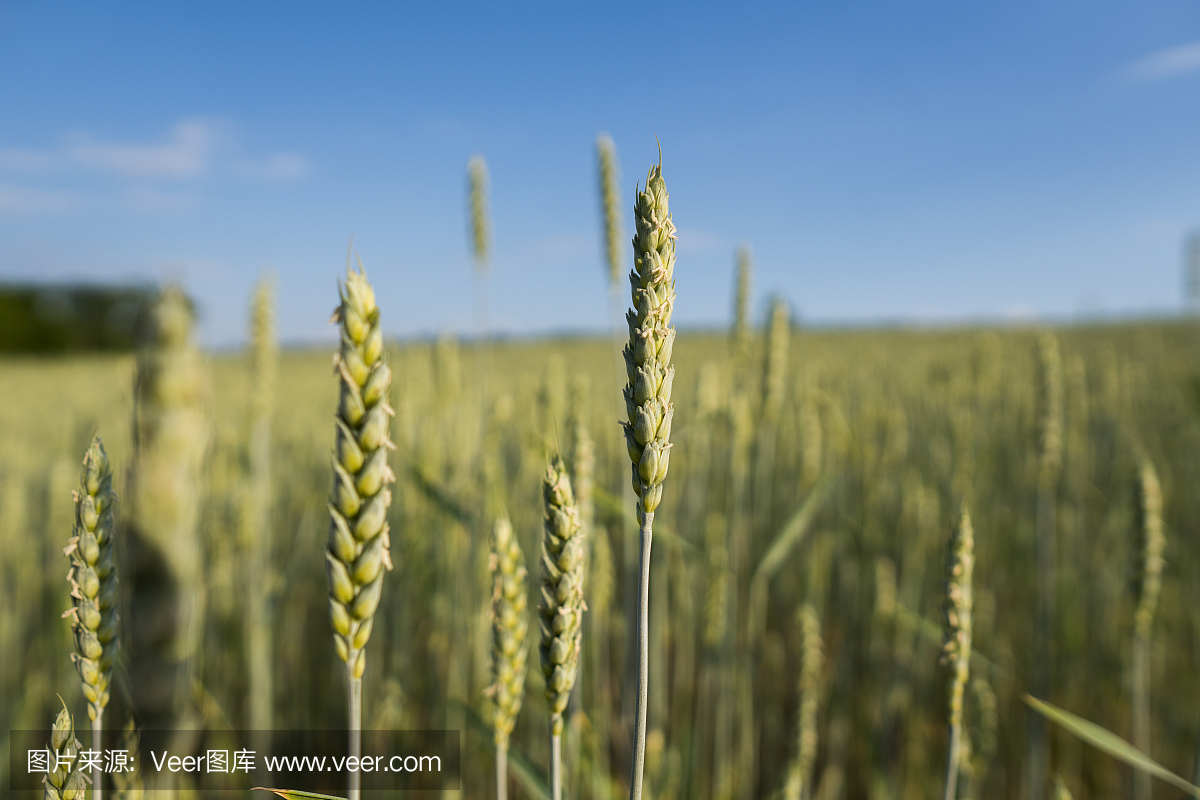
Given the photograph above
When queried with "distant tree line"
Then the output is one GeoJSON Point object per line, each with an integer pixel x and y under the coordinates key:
{"type": "Point", "coordinates": [71, 318]}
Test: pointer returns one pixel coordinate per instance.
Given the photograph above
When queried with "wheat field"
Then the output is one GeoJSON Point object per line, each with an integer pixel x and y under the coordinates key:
{"type": "Point", "coordinates": [829, 475]}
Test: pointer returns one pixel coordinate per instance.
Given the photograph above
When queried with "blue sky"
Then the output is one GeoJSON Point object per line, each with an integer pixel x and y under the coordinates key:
{"type": "Point", "coordinates": [929, 161]}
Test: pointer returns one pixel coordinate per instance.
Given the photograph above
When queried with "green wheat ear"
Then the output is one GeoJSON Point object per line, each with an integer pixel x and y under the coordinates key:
{"type": "Point", "coordinates": [510, 625]}
{"type": "Point", "coordinates": [560, 612]}
{"type": "Point", "coordinates": [66, 781]}
{"type": "Point", "coordinates": [610, 204]}
{"type": "Point", "coordinates": [93, 579]}
{"type": "Point", "coordinates": [956, 654]}
{"type": "Point", "coordinates": [477, 178]}
{"type": "Point", "coordinates": [359, 542]}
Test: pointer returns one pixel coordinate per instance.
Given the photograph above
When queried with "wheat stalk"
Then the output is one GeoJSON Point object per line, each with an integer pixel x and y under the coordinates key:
{"type": "Point", "coordinates": [1049, 388]}
{"type": "Point", "coordinates": [65, 781]}
{"type": "Point", "coordinates": [1150, 526]}
{"type": "Point", "coordinates": [560, 613]}
{"type": "Point", "coordinates": [510, 624]}
{"type": "Point", "coordinates": [359, 542]}
{"type": "Point", "coordinates": [258, 632]}
{"type": "Point", "coordinates": [956, 654]}
{"type": "Point", "coordinates": [93, 579]}
{"type": "Point", "coordinates": [648, 404]}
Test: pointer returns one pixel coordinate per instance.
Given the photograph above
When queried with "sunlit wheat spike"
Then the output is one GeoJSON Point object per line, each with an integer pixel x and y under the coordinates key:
{"type": "Point", "coordinates": [477, 179]}
{"type": "Point", "coordinates": [799, 778]}
{"type": "Point", "coordinates": [359, 549]}
{"type": "Point", "coordinates": [610, 204]}
{"type": "Point", "coordinates": [651, 339]}
{"type": "Point", "coordinates": [956, 654]}
{"type": "Point", "coordinates": [65, 781]}
{"type": "Point", "coordinates": [359, 542]}
{"type": "Point", "coordinates": [510, 625]}
{"type": "Point", "coordinates": [93, 579]}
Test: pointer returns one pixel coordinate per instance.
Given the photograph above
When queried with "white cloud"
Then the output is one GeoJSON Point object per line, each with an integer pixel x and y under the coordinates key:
{"type": "Point", "coordinates": [277, 167]}
{"type": "Point", "coordinates": [697, 242]}
{"type": "Point", "coordinates": [24, 200]}
{"type": "Point", "coordinates": [187, 153]}
{"type": "Point", "coordinates": [150, 200]}
{"type": "Point", "coordinates": [146, 177]}
{"type": "Point", "coordinates": [1169, 62]}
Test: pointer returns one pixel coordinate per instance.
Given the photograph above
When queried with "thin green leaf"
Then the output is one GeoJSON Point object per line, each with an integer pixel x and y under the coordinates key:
{"type": "Point", "coordinates": [532, 778]}
{"type": "Point", "coordinates": [296, 794]}
{"type": "Point", "coordinates": [1107, 741]}
{"type": "Point", "coordinates": [795, 529]}
{"type": "Point", "coordinates": [439, 496]}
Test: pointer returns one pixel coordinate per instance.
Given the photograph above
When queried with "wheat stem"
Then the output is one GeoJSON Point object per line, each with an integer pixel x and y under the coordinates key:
{"type": "Point", "coordinates": [643, 656]}
{"type": "Point", "coordinates": [354, 750]}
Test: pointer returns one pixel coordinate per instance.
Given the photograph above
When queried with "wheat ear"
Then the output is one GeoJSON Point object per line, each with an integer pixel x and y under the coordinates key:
{"type": "Point", "coordinates": [128, 785]}
{"type": "Point", "coordinates": [64, 781]}
{"type": "Point", "coordinates": [477, 180]}
{"type": "Point", "coordinates": [1150, 527]}
{"type": "Point", "coordinates": [93, 579]}
{"type": "Point", "coordinates": [165, 573]}
{"type": "Point", "coordinates": [560, 612]}
{"type": "Point", "coordinates": [648, 405]}
{"type": "Point", "coordinates": [610, 205]}
{"type": "Point", "coordinates": [799, 777]}
{"type": "Point", "coordinates": [358, 551]}
{"type": "Point", "coordinates": [510, 626]}
{"type": "Point", "coordinates": [744, 272]}
{"type": "Point", "coordinates": [956, 654]}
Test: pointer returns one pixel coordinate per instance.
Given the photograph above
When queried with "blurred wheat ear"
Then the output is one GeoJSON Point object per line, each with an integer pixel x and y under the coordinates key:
{"type": "Point", "coordinates": [1150, 529]}
{"type": "Point", "coordinates": [510, 626]}
{"type": "Point", "coordinates": [956, 653]}
{"type": "Point", "coordinates": [799, 776]}
{"type": "Point", "coordinates": [164, 571]}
